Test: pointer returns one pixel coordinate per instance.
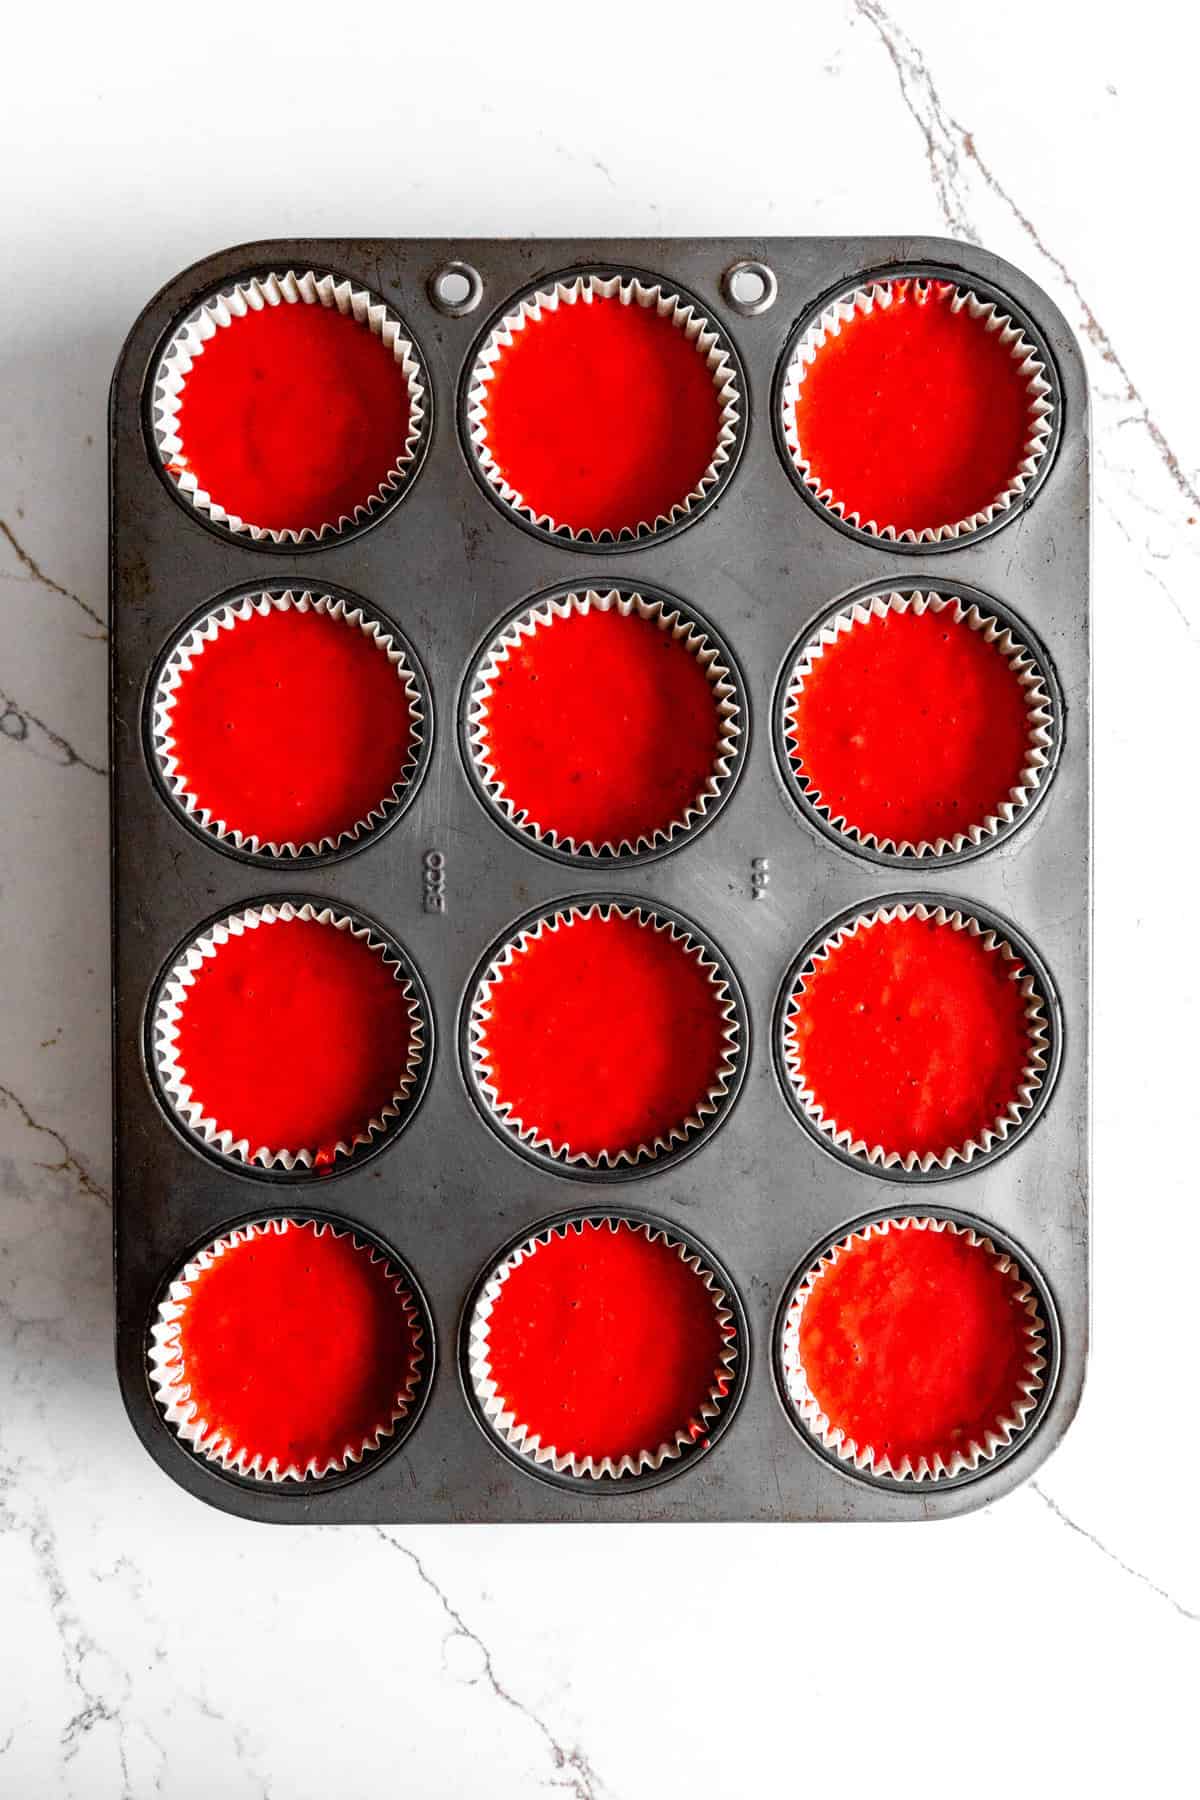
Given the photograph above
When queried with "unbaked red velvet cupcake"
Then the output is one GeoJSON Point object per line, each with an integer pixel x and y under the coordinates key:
{"type": "Point", "coordinates": [603, 1036]}
{"type": "Point", "coordinates": [914, 1037]}
{"type": "Point", "coordinates": [288, 724]}
{"type": "Point", "coordinates": [913, 1349]}
{"type": "Point", "coordinates": [915, 410]}
{"type": "Point", "coordinates": [290, 1038]}
{"type": "Point", "coordinates": [917, 725]}
{"type": "Point", "coordinates": [601, 408]}
{"type": "Point", "coordinates": [604, 724]}
{"type": "Point", "coordinates": [288, 1350]}
{"type": "Point", "coordinates": [603, 1347]}
{"type": "Point", "coordinates": [289, 407]}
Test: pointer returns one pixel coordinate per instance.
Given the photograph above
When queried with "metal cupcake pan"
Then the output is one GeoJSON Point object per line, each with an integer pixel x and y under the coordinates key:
{"type": "Point", "coordinates": [447, 564]}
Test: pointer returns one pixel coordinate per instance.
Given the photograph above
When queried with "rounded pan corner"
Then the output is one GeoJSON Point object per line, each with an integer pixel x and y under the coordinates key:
{"type": "Point", "coordinates": [975, 1496]}
{"type": "Point", "coordinates": [179, 290]}
{"type": "Point", "coordinates": [1015, 280]}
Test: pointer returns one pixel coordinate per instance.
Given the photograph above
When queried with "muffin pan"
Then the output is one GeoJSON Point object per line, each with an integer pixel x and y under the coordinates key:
{"type": "Point", "coordinates": [446, 563]}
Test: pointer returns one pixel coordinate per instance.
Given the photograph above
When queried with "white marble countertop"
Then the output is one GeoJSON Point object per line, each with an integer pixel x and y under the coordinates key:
{"type": "Point", "coordinates": [151, 1646]}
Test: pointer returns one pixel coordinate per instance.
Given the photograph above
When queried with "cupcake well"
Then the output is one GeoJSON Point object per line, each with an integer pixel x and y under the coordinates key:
{"type": "Point", "coordinates": [566, 723]}
{"type": "Point", "coordinates": [624, 498]}
{"type": "Point", "coordinates": [994, 1019]}
{"type": "Point", "coordinates": [898, 752]}
{"type": "Point", "coordinates": [607, 1032]}
{"type": "Point", "coordinates": [290, 1350]}
{"type": "Point", "coordinates": [302, 419]}
{"type": "Point", "coordinates": [304, 1060]}
{"type": "Point", "coordinates": [335, 750]}
{"type": "Point", "coordinates": [934, 1364]}
{"type": "Point", "coordinates": [986, 453]}
{"type": "Point", "coordinates": [608, 1335]}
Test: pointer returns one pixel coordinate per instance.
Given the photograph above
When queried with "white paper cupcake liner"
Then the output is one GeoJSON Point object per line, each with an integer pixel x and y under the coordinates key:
{"type": "Point", "coordinates": [531, 1136]}
{"type": "Point", "coordinates": [666, 618]}
{"type": "Point", "coordinates": [193, 645]}
{"type": "Point", "coordinates": [220, 313]}
{"type": "Point", "coordinates": [863, 1457]}
{"type": "Point", "coordinates": [528, 1443]}
{"type": "Point", "coordinates": [1032, 1075]}
{"type": "Point", "coordinates": [1025, 668]}
{"type": "Point", "coordinates": [863, 300]}
{"type": "Point", "coordinates": [582, 290]}
{"type": "Point", "coordinates": [169, 1380]}
{"type": "Point", "coordinates": [173, 997]}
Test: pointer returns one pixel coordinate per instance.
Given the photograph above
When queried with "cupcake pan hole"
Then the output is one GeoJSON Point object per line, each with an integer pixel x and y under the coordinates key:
{"type": "Point", "coordinates": [494, 734]}
{"type": "Point", "coordinates": [750, 288]}
{"type": "Point", "coordinates": [456, 289]}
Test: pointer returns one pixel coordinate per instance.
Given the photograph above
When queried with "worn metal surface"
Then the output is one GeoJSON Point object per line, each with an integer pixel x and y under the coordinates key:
{"type": "Point", "coordinates": [446, 565]}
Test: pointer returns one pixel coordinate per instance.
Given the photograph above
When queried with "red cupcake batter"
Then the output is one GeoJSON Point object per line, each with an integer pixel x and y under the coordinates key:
{"type": "Point", "coordinates": [294, 1036]}
{"type": "Point", "coordinates": [911, 1035]}
{"type": "Point", "coordinates": [915, 1343]}
{"type": "Point", "coordinates": [296, 1346]}
{"type": "Point", "coordinates": [291, 727]}
{"type": "Point", "coordinates": [605, 1344]}
{"type": "Point", "coordinates": [602, 727]}
{"type": "Point", "coordinates": [911, 727]}
{"type": "Point", "coordinates": [914, 415]}
{"type": "Point", "coordinates": [603, 1035]}
{"type": "Point", "coordinates": [602, 416]}
{"type": "Point", "coordinates": [291, 417]}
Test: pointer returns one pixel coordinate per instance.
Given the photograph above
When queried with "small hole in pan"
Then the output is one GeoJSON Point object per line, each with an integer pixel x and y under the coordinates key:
{"type": "Point", "coordinates": [750, 288]}
{"type": "Point", "coordinates": [456, 289]}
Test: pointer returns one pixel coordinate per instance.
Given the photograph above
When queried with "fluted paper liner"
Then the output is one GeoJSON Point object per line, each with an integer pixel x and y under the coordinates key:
{"type": "Point", "coordinates": [173, 997]}
{"type": "Point", "coordinates": [561, 919]}
{"type": "Point", "coordinates": [1027, 672]}
{"type": "Point", "coordinates": [563, 1460]}
{"type": "Point", "coordinates": [220, 312]}
{"type": "Point", "coordinates": [863, 1457]}
{"type": "Point", "coordinates": [667, 618]}
{"type": "Point", "coordinates": [169, 1380]}
{"type": "Point", "coordinates": [582, 290]}
{"type": "Point", "coordinates": [1030, 364]}
{"type": "Point", "coordinates": [1032, 1076]}
{"type": "Point", "coordinates": [193, 644]}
